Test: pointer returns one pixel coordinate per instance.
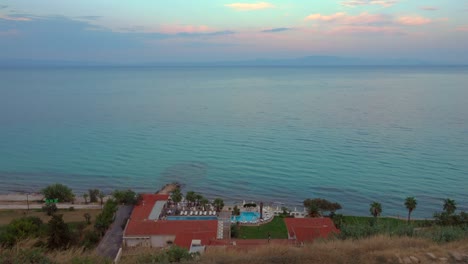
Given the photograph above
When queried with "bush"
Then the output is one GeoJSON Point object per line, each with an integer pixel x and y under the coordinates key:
{"type": "Point", "coordinates": [125, 197]}
{"type": "Point", "coordinates": [71, 208]}
{"type": "Point", "coordinates": [234, 231]}
{"type": "Point", "coordinates": [21, 228]}
{"type": "Point", "coordinates": [93, 195]}
{"type": "Point", "coordinates": [59, 235]}
{"type": "Point", "coordinates": [49, 209]}
{"type": "Point", "coordinates": [173, 254]}
{"type": "Point", "coordinates": [90, 239]}
{"type": "Point", "coordinates": [106, 217]}
{"type": "Point", "coordinates": [58, 191]}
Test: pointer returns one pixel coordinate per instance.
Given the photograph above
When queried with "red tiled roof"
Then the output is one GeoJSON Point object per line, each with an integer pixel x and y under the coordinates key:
{"type": "Point", "coordinates": [184, 230]}
{"type": "Point", "coordinates": [142, 210]}
{"type": "Point", "coordinates": [170, 227]}
{"type": "Point", "coordinates": [185, 239]}
{"type": "Point", "coordinates": [308, 229]}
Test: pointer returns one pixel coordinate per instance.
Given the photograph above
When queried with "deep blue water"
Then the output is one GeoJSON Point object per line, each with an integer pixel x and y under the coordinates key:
{"type": "Point", "coordinates": [353, 135]}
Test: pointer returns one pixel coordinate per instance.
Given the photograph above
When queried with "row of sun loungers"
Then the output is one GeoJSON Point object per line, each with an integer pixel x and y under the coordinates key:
{"type": "Point", "coordinates": [202, 213]}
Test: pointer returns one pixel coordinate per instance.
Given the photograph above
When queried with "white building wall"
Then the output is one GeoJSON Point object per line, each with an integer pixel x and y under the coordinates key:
{"type": "Point", "coordinates": [161, 240]}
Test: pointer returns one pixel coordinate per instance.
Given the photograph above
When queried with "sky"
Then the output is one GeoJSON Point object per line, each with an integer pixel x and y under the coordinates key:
{"type": "Point", "coordinates": [141, 31]}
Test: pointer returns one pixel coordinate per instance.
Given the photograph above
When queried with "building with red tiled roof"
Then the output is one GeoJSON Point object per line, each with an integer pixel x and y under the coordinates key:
{"type": "Point", "coordinates": [145, 228]}
{"type": "Point", "coordinates": [309, 229]}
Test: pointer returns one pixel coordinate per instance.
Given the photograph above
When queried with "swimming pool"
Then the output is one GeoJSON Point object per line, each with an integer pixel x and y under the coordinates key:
{"type": "Point", "coordinates": [246, 216]}
{"type": "Point", "coordinates": [191, 218]}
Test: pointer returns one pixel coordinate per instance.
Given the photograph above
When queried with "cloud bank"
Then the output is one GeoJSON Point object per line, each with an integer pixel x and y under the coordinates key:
{"type": "Point", "coordinates": [250, 6]}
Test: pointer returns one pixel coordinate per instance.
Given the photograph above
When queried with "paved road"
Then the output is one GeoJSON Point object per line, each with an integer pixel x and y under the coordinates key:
{"type": "Point", "coordinates": [39, 206]}
{"type": "Point", "coordinates": [112, 241]}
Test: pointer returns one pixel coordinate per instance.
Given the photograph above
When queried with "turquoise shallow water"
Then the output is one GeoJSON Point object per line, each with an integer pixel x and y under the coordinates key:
{"type": "Point", "coordinates": [353, 135]}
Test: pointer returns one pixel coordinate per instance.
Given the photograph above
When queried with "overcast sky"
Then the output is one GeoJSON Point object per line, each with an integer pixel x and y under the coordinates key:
{"type": "Point", "coordinates": [134, 31]}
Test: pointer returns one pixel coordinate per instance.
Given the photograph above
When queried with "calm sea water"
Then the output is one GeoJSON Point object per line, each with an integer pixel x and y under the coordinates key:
{"type": "Point", "coordinates": [352, 135]}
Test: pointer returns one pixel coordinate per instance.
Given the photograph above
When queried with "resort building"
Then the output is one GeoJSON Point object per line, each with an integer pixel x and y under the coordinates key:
{"type": "Point", "coordinates": [158, 222]}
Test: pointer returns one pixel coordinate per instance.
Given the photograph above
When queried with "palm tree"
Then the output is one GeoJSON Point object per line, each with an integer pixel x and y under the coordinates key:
{"type": "Point", "coordinates": [176, 196]}
{"type": "Point", "coordinates": [204, 202]}
{"type": "Point", "coordinates": [85, 196]}
{"type": "Point", "coordinates": [199, 197]}
{"type": "Point", "coordinates": [375, 209]}
{"type": "Point", "coordinates": [190, 196]}
{"type": "Point", "coordinates": [450, 206]}
{"type": "Point", "coordinates": [101, 197]}
{"type": "Point", "coordinates": [410, 204]}
{"type": "Point", "coordinates": [218, 203]}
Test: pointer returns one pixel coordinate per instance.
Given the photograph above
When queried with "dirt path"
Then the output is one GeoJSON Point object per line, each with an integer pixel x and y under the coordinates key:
{"type": "Point", "coordinates": [168, 188]}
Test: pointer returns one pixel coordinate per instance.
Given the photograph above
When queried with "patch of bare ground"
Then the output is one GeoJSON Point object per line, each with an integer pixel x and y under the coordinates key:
{"type": "Point", "coordinates": [168, 188]}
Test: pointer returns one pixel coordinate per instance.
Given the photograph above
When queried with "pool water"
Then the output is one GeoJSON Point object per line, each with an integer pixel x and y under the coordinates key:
{"type": "Point", "coordinates": [191, 218]}
{"type": "Point", "coordinates": [246, 216]}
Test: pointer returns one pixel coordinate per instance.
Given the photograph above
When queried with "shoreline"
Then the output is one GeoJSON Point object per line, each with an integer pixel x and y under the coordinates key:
{"type": "Point", "coordinates": [18, 201]}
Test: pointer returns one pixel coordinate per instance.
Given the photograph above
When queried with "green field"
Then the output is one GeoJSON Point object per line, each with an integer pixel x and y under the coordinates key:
{"type": "Point", "coordinates": [276, 228]}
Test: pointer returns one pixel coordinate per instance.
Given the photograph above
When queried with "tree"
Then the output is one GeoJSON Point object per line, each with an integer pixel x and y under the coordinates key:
{"type": "Point", "coordinates": [450, 206]}
{"type": "Point", "coordinates": [125, 197]}
{"type": "Point", "coordinates": [198, 197]}
{"type": "Point", "coordinates": [49, 209]}
{"type": "Point", "coordinates": [93, 195]}
{"type": "Point", "coordinates": [59, 235]}
{"type": "Point", "coordinates": [317, 206]}
{"type": "Point", "coordinates": [410, 204]}
{"type": "Point", "coordinates": [190, 196]}
{"type": "Point", "coordinates": [87, 217]}
{"type": "Point", "coordinates": [375, 209]}
{"type": "Point", "coordinates": [176, 196]}
{"type": "Point", "coordinates": [58, 191]}
{"type": "Point", "coordinates": [101, 197]}
{"type": "Point", "coordinates": [85, 196]}
{"type": "Point", "coordinates": [313, 210]}
{"type": "Point", "coordinates": [204, 202]}
{"type": "Point", "coordinates": [236, 211]}
{"type": "Point", "coordinates": [219, 204]}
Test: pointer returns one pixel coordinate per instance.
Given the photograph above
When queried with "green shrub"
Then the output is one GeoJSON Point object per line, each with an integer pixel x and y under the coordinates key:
{"type": "Point", "coordinates": [106, 217]}
{"type": "Point", "coordinates": [49, 209]}
{"type": "Point", "coordinates": [125, 197]}
{"type": "Point", "coordinates": [173, 254]}
{"type": "Point", "coordinates": [90, 239]}
{"type": "Point", "coordinates": [93, 195]}
{"type": "Point", "coordinates": [59, 235]}
{"type": "Point", "coordinates": [58, 191]}
{"type": "Point", "coordinates": [19, 229]}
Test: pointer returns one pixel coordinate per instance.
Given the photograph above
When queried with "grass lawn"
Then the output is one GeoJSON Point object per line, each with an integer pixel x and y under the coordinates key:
{"type": "Point", "coordinates": [68, 216]}
{"type": "Point", "coordinates": [276, 228]}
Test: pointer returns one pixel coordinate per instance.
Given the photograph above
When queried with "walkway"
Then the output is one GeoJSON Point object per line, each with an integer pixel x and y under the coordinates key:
{"type": "Point", "coordinates": [112, 241]}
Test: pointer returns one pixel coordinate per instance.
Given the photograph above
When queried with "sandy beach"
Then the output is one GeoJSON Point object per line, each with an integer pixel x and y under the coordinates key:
{"type": "Point", "coordinates": [21, 200]}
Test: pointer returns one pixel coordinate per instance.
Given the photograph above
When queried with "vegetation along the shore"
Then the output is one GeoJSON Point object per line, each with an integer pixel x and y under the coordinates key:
{"type": "Point", "coordinates": [69, 235]}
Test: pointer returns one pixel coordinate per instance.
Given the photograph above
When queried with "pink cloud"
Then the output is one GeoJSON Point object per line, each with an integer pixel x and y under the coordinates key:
{"type": "Point", "coordinates": [321, 17]}
{"type": "Point", "coordinates": [462, 28]}
{"type": "Point", "coordinates": [14, 18]}
{"type": "Point", "coordinates": [429, 8]}
{"type": "Point", "coordinates": [343, 30]}
{"type": "Point", "coordinates": [250, 6]}
{"type": "Point", "coordinates": [413, 20]}
{"type": "Point", "coordinates": [343, 18]}
{"type": "Point", "coordinates": [383, 3]}
{"type": "Point", "coordinates": [173, 29]}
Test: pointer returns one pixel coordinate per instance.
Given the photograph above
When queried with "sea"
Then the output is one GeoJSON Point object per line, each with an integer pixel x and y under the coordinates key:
{"type": "Point", "coordinates": [278, 135]}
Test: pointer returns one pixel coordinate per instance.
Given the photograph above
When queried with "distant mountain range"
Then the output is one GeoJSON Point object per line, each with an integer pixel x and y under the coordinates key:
{"type": "Point", "coordinates": [304, 61]}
